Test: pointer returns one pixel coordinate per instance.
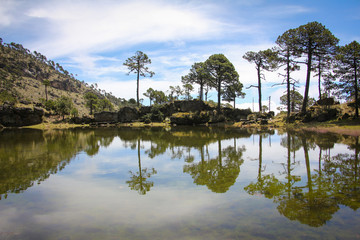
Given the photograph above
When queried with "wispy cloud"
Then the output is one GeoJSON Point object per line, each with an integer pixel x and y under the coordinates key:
{"type": "Point", "coordinates": [97, 26]}
{"type": "Point", "coordinates": [283, 11]}
{"type": "Point", "coordinates": [7, 10]}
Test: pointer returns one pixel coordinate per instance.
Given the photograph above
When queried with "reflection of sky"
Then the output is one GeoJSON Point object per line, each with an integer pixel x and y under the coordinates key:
{"type": "Point", "coordinates": [91, 193]}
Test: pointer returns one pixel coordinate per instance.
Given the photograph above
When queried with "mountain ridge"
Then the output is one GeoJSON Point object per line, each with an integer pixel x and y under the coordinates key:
{"type": "Point", "coordinates": [30, 78]}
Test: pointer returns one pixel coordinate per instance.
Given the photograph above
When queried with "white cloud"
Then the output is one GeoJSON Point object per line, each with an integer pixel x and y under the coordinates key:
{"type": "Point", "coordinates": [283, 11]}
{"type": "Point", "coordinates": [94, 26]}
{"type": "Point", "coordinates": [127, 89]}
{"type": "Point", "coordinates": [7, 7]}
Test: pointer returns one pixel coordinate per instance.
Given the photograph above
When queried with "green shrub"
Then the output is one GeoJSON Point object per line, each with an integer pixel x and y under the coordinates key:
{"type": "Point", "coordinates": [5, 96]}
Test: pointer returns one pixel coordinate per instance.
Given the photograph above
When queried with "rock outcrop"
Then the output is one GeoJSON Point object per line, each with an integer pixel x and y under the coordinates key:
{"type": "Point", "coordinates": [17, 117]}
{"type": "Point", "coordinates": [179, 112]}
{"type": "Point", "coordinates": [108, 117]}
{"type": "Point", "coordinates": [128, 114]}
{"type": "Point", "coordinates": [187, 118]}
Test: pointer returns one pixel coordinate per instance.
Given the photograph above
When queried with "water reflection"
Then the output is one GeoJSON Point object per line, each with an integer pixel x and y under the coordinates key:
{"type": "Point", "coordinates": [211, 157]}
{"type": "Point", "coordinates": [313, 201]}
{"type": "Point", "coordinates": [30, 156]}
{"type": "Point", "coordinates": [218, 173]}
{"type": "Point", "coordinates": [138, 180]}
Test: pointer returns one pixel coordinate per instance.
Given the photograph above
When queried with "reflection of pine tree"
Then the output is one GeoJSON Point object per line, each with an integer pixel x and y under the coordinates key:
{"type": "Point", "coordinates": [138, 180]}
{"type": "Point", "coordinates": [345, 174]}
{"type": "Point", "coordinates": [311, 204]}
{"type": "Point", "coordinates": [218, 173]}
{"type": "Point", "coordinates": [315, 206]}
{"type": "Point", "coordinates": [30, 156]}
{"type": "Point", "coordinates": [266, 185]}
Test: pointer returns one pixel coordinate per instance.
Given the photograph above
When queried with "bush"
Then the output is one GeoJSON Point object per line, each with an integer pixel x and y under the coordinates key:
{"type": "Point", "coordinates": [5, 96]}
{"type": "Point", "coordinates": [154, 116]}
{"type": "Point", "coordinates": [50, 105]}
{"type": "Point", "coordinates": [74, 112]}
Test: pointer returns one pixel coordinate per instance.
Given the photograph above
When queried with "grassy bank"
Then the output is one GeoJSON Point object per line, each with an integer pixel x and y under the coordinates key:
{"type": "Point", "coordinates": [345, 127]}
{"type": "Point", "coordinates": [49, 126]}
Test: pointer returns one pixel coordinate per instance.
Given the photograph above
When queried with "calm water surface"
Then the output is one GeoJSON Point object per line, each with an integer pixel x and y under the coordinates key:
{"type": "Point", "coordinates": [179, 183]}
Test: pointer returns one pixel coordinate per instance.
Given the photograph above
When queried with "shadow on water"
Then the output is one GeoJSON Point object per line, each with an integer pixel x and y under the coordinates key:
{"type": "Point", "coordinates": [29, 157]}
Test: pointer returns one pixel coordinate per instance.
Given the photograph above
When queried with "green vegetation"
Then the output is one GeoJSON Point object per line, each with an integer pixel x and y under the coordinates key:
{"type": "Point", "coordinates": [63, 106]}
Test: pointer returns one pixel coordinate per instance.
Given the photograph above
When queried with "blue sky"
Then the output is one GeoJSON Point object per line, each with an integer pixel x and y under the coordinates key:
{"type": "Point", "coordinates": [93, 38]}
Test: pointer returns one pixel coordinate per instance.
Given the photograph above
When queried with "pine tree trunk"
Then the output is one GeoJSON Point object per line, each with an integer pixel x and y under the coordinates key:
{"type": "Point", "coordinates": [308, 75]}
{"type": "Point", "coordinates": [356, 91]}
{"type": "Point", "coordinates": [288, 86]}
{"type": "Point", "coordinates": [219, 95]}
{"type": "Point", "coordinates": [137, 84]}
{"type": "Point", "coordinates": [259, 87]}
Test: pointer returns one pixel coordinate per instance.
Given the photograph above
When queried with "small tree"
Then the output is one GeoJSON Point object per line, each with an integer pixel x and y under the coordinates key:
{"type": "Point", "coordinates": [132, 101]}
{"type": "Point", "coordinates": [188, 88]}
{"type": "Point", "coordinates": [232, 92]}
{"type": "Point", "coordinates": [74, 112]}
{"type": "Point", "coordinates": [46, 83]}
{"type": "Point", "coordinates": [150, 93]}
{"type": "Point", "coordinates": [265, 108]}
{"type": "Point", "coordinates": [160, 97]}
{"type": "Point", "coordinates": [175, 93]}
{"type": "Point", "coordinates": [91, 101]}
{"type": "Point", "coordinates": [63, 106]}
{"type": "Point", "coordinates": [347, 70]}
{"type": "Point", "coordinates": [104, 105]}
{"type": "Point", "coordinates": [264, 60]}
{"type": "Point", "coordinates": [198, 75]}
{"type": "Point", "coordinates": [137, 64]}
{"type": "Point", "coordinates": [296, 100]}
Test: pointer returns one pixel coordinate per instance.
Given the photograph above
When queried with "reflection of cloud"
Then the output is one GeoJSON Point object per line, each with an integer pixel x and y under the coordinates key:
{"type": "Point", "coordinates": [110, 204]}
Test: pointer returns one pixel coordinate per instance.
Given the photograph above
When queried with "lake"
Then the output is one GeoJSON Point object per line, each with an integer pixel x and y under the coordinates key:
{"type": "Point", "coordinates": [178, 183]}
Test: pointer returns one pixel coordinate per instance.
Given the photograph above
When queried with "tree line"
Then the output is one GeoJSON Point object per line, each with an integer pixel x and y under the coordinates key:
{"type": "Point", "coordinates": [311, 45]}
{"type": "Point", "coordinates": [216, 72]}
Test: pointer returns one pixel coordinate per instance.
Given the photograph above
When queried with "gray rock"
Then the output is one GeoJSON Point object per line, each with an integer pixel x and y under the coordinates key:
{"type": "Point", "coordinates": [18, 117]}
{"type": "Point", "coordinates": [109, 117]}
{"type": "Point", "coordinates": [128, 114]}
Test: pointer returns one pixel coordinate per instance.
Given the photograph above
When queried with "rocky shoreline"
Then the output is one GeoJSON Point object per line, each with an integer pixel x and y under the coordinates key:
{"type": "Point", "coordinates": [192, 112]}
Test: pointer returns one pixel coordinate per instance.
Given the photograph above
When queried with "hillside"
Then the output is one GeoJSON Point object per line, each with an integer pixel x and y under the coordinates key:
{"type": "Point", "coordinates": [24, 76]}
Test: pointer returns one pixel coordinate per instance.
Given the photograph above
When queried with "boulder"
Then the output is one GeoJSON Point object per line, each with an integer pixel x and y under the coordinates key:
{"type": "Point", "coordinates": [81, 120]}
{"type": "Point", "coordinates": [145, 110]}
{"type": "Point", "coordinates": [128, 114]}
{"type": "Point", "coordinates": [345, 116]}
{"type": "Point", "coordinates": [65, 85]}
{"type": "Point", "coordinates": [167, 109]}
{"type": "Point", "coordinates": [236, 114]}
{"type": "Point", "coordinates": [190, 118]}
{"type": "Point", "coordinates": [330, 114]}
{"type": "Point", "coordinates": [191, 106]}
{"type": "Point", "coordinates": [18, 117]}
{"type": "Point", "coordinates": [326, 102]}
{"type": "Point", "coordinates": [109, 117]}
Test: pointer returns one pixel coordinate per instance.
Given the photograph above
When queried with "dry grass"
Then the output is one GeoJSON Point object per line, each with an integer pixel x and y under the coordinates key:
{"type": "Point", "coordinates": [50, 126]}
